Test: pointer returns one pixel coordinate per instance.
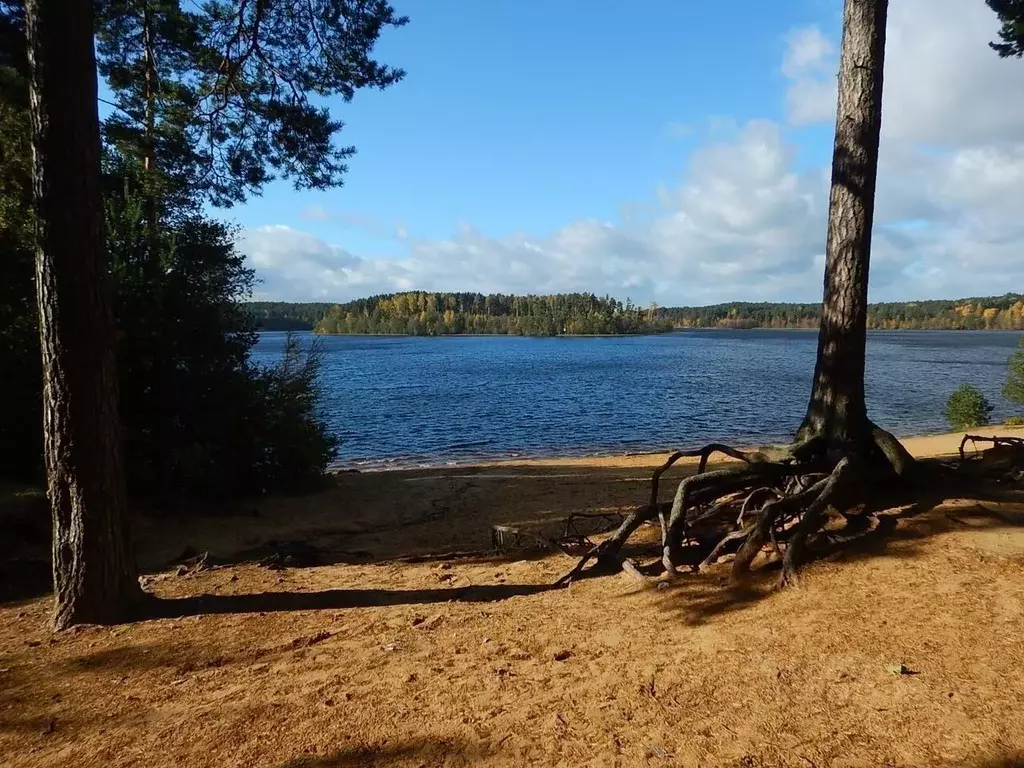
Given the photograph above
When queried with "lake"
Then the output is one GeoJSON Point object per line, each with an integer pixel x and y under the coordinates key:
{"type": "Point", "coordinates": [411, 401]}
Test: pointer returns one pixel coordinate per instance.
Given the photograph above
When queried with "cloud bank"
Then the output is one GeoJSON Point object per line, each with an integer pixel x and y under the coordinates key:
{"type": "Point", "coordinates": [746, 222]}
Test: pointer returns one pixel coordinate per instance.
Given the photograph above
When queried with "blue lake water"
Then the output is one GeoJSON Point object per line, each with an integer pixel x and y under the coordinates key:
{"type": "Point", "coordinates": [421, 401]}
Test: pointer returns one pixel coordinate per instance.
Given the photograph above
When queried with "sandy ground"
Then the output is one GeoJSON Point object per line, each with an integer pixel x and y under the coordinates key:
{"type": "Point", "coordinates": [903, 651]}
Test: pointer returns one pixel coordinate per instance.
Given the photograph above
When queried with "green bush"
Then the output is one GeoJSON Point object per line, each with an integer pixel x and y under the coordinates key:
{"type": "Point", "coordinates": [1015, 421]}
{"type": "Point", "coordinates": [198, 417]}
{"type": "Point", "coordinates": [281, 442]}
{"type": "Point", "coordinates": [967, 408]}
{"type": "Point", "coordinates": [1013, 390]}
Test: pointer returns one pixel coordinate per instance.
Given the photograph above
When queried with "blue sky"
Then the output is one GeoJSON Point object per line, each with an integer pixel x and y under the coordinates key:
{"type": "Point", "coordinates": [677, 153]}
{"type": "Point", "coordinates": [525, 115]}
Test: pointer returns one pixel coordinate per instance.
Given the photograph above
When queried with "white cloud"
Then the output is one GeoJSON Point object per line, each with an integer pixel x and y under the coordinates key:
{"type": "Point", "coordinates": [811, 100]}
{"type": "Point", "coordinates": [744, 223]}
{"type": "Point", "coordinates": [742, 217]}
{"type": "Point", "coordinates": [808, 51]}
{"type": "Point", "coordinates": [943, 84]}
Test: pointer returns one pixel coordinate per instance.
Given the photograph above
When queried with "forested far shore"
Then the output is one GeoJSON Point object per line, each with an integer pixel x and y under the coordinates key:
{"type": "Point", "coordinates": [565, 314]}
{"type": "Point", "coordinates": [286, 315]}
{"type": "Point", "coordinates": [978, 313]}
{"type": "Point", "coordinates": [420, 313]}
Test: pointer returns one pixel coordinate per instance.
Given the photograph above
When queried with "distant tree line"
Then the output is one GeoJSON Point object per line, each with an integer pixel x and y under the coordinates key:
{"type": "Point", "coordinates": [985, 313]}
{"type": "Point", "coordinates": [284, 315]}
{"type": "Point", "coordinates": [437, 314]}
{"type": "Point", "coordinates": [434, 314]}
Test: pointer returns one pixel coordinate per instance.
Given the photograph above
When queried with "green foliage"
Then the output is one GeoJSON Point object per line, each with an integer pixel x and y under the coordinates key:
{"type": "Point", "coordinates": [438, 314]}
{"type": "Point", "coordinates": [20, 425]}
{"type": "Point", "coordinates": [197, 415]}
{"type": "Point", "coordinates": [1011, 15]}
{"type": "Point", "coordinates": [1014, 421]}
{"type": "Point", "coordinates": [979, 313]}
{"type": "Point", "coordinates": [1013, 390]}
{"type": "Point", "coordinates": [291, 446]}
{"type": "Point", "coordinates": [226, 96]}
{"type": "Point", "coordinates": [967, 407]}
{"type": "Point", "coordinates": [285, 316]}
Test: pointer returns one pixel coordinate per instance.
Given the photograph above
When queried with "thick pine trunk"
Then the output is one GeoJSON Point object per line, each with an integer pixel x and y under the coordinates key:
{"type": "Point", "coordinates": [837, 411]}
{"type": "Point", "coordinates": [95, 579]}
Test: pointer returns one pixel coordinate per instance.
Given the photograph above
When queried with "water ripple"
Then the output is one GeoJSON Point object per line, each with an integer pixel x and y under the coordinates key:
{"type": "Point", "coordinates": [404, 401]}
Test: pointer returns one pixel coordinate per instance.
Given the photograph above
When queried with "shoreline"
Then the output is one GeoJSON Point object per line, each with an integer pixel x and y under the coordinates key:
{"type": "Point", "coordinates": [920, 446]}
{"type": "Point", "coordinates": [675, 329]}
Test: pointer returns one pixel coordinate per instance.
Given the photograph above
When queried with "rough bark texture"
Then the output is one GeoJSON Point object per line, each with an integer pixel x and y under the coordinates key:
{"type": "Point", "coordinates": [836, 410]}
{"type": "Point", "coordinates": [95, 579]}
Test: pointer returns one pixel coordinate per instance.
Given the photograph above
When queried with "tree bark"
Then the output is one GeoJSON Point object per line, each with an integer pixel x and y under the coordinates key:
{"type": "Point", "coordinates": [94, 572]}
{"type": "Point", "coordinates": [837, 411]}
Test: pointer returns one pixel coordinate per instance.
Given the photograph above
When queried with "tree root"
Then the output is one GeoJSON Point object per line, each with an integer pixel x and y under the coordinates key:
{"type": "Point", "coordinates": [783, 498]}
{"type": "Point", "coordinates": [771, 498]}
{"type": "Point", "coordinates": [997, 442]}
{"type": "Point", "coordinates": [606, 553]}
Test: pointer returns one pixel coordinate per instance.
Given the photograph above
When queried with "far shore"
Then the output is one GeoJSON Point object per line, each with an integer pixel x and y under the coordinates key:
{"type": "Point", "coordinates": [676, 329]}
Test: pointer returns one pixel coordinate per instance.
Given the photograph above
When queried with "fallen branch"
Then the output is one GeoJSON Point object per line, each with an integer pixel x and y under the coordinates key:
{"type": "Point", "coordinates": [997, 442]}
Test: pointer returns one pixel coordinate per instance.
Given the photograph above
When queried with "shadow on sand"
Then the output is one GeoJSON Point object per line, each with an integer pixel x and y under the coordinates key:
{"type": "Point", "coordinates": [333, 599]}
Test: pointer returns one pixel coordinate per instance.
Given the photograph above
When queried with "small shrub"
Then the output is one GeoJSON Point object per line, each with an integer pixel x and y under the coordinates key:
{"type": "Point", "coordinates": [1013, 390]}
{"type": "Point", "coordinates": [1015, 421]}
{"type": "Point", "coordinates": [967, 408]}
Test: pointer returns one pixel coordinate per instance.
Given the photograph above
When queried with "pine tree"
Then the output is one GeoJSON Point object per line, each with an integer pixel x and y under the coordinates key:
{"type": "Point", "coordinates": [216, 99]}
{"type": "Point", "coordinates": [95, 577]}
{"type": "Point", "coordinates": [1011, 14]}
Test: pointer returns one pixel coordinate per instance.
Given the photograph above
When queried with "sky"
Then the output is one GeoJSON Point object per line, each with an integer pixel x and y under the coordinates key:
{"type": "Point", "coordinates": [678, 153]}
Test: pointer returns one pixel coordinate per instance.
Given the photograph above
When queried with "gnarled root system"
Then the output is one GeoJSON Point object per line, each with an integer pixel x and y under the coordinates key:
{"type": "Point", "coordinates": [774, 499]}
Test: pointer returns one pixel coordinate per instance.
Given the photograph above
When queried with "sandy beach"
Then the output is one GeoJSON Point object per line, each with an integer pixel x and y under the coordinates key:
{"type": "Point", "coordinates": [409, 643]}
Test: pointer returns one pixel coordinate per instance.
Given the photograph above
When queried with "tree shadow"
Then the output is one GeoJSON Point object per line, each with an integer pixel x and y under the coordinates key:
{"type": "Point", "coordinates": [416, 752]}
{"type": "Point", "coordinates": [23, 579]}
{"type": "Point", "coordinates": [372, 518]}
{"type": "Point", "coordinates": [416, 516]}
{"type": "Point", "coordinates": [332, 599]}
{"type": "Point", "coordinates": [1009, 760]}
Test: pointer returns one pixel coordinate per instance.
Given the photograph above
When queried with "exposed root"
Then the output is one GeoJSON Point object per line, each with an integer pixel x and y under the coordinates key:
{"type": "Point", "coordinates": [776, 498]}
{"type": "Point", "coordinates": [997, 442]}
{"type": "Point", "coordinates": [812, 520]}
{"type": "Point", "coordinates": [898, 457]}
{"type": "Point", "coordinates": [630, 567]}
{"type": "Point", "coordinates": [782, 498]}
{"type": "Point", "coordinates": [606, 554]}
{"type": "Point", "coordinates": [704, 453]}
{"type": "Point", "coordinates": [728, 538]}
{"type": "Point", "coordinates": [702, 501]}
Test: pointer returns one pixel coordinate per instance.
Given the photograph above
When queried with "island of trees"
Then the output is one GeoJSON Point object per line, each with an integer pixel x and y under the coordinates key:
{"type": "Point", "coordinates": [438, 314]}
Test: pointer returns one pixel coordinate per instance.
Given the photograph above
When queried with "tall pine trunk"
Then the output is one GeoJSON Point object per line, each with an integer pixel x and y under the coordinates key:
{"type": "Point", "coordinates": [95, 578]}
{"type": "Point", "coordinates": [837, 411]}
